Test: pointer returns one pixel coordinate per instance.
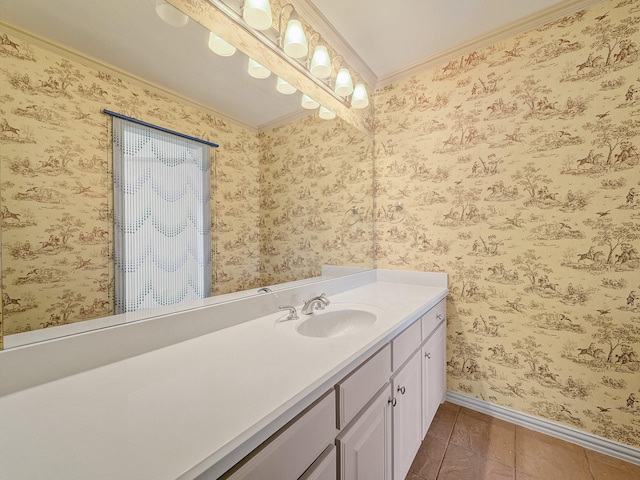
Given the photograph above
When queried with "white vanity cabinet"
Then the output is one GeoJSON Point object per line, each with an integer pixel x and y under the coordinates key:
{"type": "Point", "coordinates": [364, 447]}
{"type": "Point", "coordinates": [406, 384]}
{"type": "Point", "coordinates": [407, 414]}
{"type": "Point", "coordinates": [434, 379]}
{"type": "Point", "coordinates": [377, 415]}
{"type": "Point", "coordinates": [417, 387]}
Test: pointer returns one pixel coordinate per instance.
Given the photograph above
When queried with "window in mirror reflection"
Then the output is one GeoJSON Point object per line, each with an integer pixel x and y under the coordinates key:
{"type": "Point", "coordinates": [162, 253]}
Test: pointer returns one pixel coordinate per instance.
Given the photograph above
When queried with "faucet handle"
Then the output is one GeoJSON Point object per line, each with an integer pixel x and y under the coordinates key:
{"type": "Point", "coordinates": [293, 314]}
{"type": "Point", "coordinates": [324, 301]}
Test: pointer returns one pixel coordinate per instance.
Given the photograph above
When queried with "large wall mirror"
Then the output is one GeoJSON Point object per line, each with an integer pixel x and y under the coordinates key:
{"type": "Point", "coordinates": [291, 192]}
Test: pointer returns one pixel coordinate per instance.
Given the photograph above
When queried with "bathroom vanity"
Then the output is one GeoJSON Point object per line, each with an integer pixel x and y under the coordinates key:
{"type": "Point", "coordinates": [261, 398]}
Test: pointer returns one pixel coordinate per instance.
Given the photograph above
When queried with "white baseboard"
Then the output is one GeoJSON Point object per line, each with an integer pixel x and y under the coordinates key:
{"type": "Point", "coordinates": [584, 439]}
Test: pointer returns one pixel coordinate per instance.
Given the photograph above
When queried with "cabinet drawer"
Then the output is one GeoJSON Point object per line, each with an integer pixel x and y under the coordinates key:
{"type": "Point", "coordinates": [289, 452]}
{"type": "Point", "coordinates": [362, 384]}
{"type": "Point", "coordinates": [433, 318]}
{"type": "Point", "coordinates": [405, 344]}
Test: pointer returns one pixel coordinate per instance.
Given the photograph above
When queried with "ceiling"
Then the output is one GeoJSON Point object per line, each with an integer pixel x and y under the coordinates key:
{"type": "Point", "coordinates": [380, 42]}
{"type": "Point", "coordinates": [390, 36]}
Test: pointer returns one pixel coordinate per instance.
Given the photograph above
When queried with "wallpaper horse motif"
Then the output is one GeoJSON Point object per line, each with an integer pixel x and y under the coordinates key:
{"type": "Point", "coordinates": [520, 169]}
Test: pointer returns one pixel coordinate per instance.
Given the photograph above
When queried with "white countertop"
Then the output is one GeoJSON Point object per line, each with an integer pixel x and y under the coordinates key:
{"type": "Point", "coordinates": [176, 411]}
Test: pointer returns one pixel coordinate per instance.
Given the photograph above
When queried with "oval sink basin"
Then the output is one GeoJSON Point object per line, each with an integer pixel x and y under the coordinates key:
{"type": "Point", "coordinates": [336, 323]}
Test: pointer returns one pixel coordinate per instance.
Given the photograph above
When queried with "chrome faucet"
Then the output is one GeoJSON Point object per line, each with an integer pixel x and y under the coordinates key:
{"type": "Point", "coordinates": [293, 315]}
{"type": "Point", "coordinates": [315, 303]}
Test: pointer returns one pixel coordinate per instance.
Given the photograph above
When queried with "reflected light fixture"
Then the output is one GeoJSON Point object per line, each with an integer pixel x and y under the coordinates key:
{"type": "Point", "coordinates": [295, 41]}
{"type": "Point", "coordinates": [360, 99]}
{"type": "Point", "coordinates": [257, 14]}
{"type": "Point", "coordinates": [320, 62]}
{"type": "Point", "coordinates": [344, 83]}
{"type": "Point", "coordinates": [257, 71]}
{"type": "Point", "coordinates": [171, 14]}
{"type": "Point", "coordinates": [326, 114]}
{"type": "Point", "coordinates": [308, 102]}
{"type": "Point", "coordinates": [285, 87]}
{"type": "Point", "coordinates": [219, 46]}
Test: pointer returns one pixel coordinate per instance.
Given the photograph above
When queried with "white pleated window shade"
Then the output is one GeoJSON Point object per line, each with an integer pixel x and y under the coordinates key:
{"type": "Point", "coordinates": [162, 246]}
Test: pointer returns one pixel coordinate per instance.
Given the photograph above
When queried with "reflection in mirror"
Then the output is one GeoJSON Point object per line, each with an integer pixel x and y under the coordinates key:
{"type": "Point", "coordinates": [279, 196]}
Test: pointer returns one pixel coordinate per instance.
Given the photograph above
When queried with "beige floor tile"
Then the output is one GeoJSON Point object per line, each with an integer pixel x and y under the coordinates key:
{"type": "Point", "coordinates": [463, 444]}
{"type": "Point", "coordinates": [525, 476]}
{"type": "Point", "coordinates": [412, 476]}
{"type": "Point", "coordinates": [429, 457]}
{"type": "Point", "coordinates": [443, 421]}
{"type": "Point", "coordinates": [487, 418]}
{"type": "Point", "coordinates": [604, 467]}
{"type": "Point", "coordinates": [494, 440]}
{"type": "Point", "coordinates": [450, 406]}
{"type": "Point", "coordinates": [462, 464]}
{"type": "Point", "coordinates": [548, 458]}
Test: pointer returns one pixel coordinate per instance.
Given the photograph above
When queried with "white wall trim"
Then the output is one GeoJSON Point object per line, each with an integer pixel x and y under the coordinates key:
{"type": "Point", "coordinates": [563, 432]}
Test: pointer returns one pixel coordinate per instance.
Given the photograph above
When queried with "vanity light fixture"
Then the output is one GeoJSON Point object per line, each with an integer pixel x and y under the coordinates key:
{"type": "Point", "coordinates": [258, 71]}
{"type": "Point", "coordinates": [171, 14]}
{"type": "Point", "coordinates": [344, 83]}
{"type": "Point", "coordinates": [219, 46]}
{"type": "Point", "coordinates": [320, 63]}
{"type": "Point", "coordinates": [285, 87]}
{"type": "Point", "coordinates": [308, 102]}
{"type": "Point", "coordinates": [360, 99]}
{"type": "Point", "coordinates": [257, 14]}
{"type": "Point", "coordinates": [291, 45]}
{"type": "Point", "coordinates": [326, 114]}
{"type": "Point", "coordinates": [294, 42]}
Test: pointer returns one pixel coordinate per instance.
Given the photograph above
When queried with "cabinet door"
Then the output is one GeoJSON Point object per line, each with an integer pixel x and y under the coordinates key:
{"type": "Point", "coordinates": [364, 447]}
{"type": "Point", "coordinates": [407, 415]}
{"type": "Point", "coordinates": [434, 380]}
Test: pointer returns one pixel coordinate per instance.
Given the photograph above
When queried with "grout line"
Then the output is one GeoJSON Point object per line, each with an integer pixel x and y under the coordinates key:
{"type": "Point", "coordinates": [448, 442]}
{"type": "Point", "coordinates": [593, 476]}
{"type": "Point", "coordinates": [515, 450]}
{"type": "Point", "coordinates": [454, 425]}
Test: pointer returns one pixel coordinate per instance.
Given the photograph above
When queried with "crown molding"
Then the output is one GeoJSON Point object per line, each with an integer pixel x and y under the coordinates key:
{"type": "Point", "coordinates": [320, 24]}
{"type": "Point", "coordinates": [511, 30]}
{"type": "Point", "coordinates": [278, 122]}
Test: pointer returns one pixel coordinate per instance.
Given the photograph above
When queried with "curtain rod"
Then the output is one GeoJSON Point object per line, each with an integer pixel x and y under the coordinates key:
{"type": "Point", "coordinates": [166, 130]}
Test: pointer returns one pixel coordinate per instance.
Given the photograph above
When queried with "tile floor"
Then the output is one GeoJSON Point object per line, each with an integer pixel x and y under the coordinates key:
{"type": "Point", "coordinates": [463, 444]}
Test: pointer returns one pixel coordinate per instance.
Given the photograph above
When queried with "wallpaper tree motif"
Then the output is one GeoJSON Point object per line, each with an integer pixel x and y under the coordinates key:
{"type": "Point", "coordinates": [520, 171]}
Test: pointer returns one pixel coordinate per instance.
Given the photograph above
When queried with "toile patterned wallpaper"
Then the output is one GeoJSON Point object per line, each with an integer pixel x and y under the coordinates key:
{"type": "Point", "coordinates": [316, 199]}
{"type": "Point", "coordinates": [519, 168]}
{"type": "Point", "coordinates": [55, 182]}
